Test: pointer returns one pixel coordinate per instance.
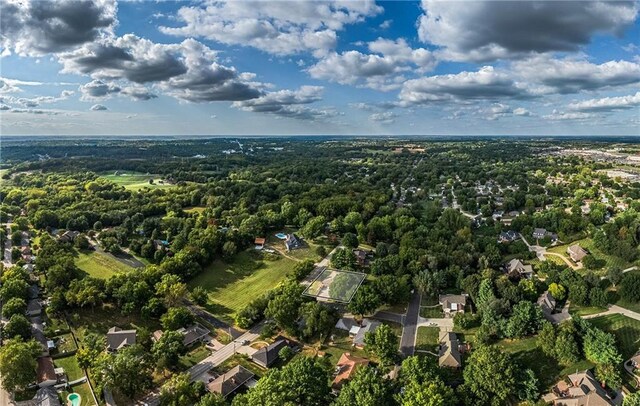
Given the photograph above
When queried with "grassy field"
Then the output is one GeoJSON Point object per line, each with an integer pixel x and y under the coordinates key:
{"type": "Point", "coordinates": [99, 265]}
{"type": "Point", "coordinates": [85, 394]}
{"type": "Point", "coordinates": [135, 180]}
{"type": "Point", "coordinates": [195, 355]}
{"type": "Point", "coordinates": [626, 330]}
{"type": "Point", "coordinates": [527, 352]}
{"type": "Point", "coordinates": [232, 285]}
{"type": "Point", "coordinates": [71, 367]}
{"type": "Point", "coordinates": [427, 338]}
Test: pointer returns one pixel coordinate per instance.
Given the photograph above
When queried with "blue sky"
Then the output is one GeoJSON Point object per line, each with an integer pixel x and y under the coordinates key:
{"type": "Point", "coordinates": [311, 67]}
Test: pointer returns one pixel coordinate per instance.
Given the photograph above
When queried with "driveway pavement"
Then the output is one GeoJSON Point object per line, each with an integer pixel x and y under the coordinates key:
{"type": "Point", "coordinates": [408, 339]}
{"type": "Point", "coordinates": [444, 324]}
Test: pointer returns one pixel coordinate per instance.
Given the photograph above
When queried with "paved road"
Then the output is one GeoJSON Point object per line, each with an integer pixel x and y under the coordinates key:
{"type": "Point", "coordinates": [211, 319]}
{"type": "Point", "coordinates": [613, 309]}
{"type": "Point", "coordinates": [409, 330]}
{"type": "Point", "coordinates": [7, 246]}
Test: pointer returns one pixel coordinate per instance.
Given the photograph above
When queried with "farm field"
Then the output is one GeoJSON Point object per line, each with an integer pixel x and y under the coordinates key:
{"type": "Point", "coordinates": [99, 265]}
{"type": "Point", "coordinates": [136, 180]}
{"type": "Point", "coordinates": [234, 284]}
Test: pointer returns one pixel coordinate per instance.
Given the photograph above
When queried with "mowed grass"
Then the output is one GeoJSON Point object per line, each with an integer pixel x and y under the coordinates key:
{"type": "Point", "coordinates": [100, 320]}
{"type": "Point", "coordinates": [71, 367]}
{"type": "Point", "coordinates": [136, 180]}
{"type": "Point", "coordinates": [232, 285]}
{"type": "Point", "coordinates": [626, 330]}
{"type": "Point", "coordinates": [589, 245]}
{"type": "Point", "coordinates": [427, 338]}
{"type": "Point", "coordinates": [99, 265]}
{"type": "Point", "coordinates": [84, 391]}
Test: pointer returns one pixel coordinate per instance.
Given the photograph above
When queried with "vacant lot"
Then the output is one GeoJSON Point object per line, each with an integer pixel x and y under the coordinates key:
{"type": "Point", "coordinates": [232, 285]}
{"type": "Point", "coordinates": [625, 329]}
{"type": "Point", "coordinates": [136, 180]}
{"type": "Point", "coordinates": [99, 265]}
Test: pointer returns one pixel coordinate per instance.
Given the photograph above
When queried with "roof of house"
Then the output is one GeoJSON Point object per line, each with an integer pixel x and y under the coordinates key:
{"type": "Point", "coordinates": [584, 391]}
{"type": "Point", "coordinates": [515, 265]}
{"type": "Point", "coordinates": [118, 338]}
{"type": "Point", "coordinates": [45, 370]}
{"type": "Point", "coordinates": [34, 305]}
{"type": "Point", "coordinates": [345, 324]}
{"type": "Point", "coordinates": [347, 365]}
{"type": "Point", "coordinates": [193, 333]}
{"type": "Point", "coordinates": [230, 381]}
{"type": "Point", "coordinates": [156, 335]}
{"type": "Point", "coordinates": [577, 252]}
{"type": "Point", "coordinates": [367, 326]}
{"type": "Point", "coordinates": [46, 397]}
{"type": "Point", "coordinates": [259, 241]}
{"type": "Point", "coordinates": [447, 300]}
{"type": "Point", "coordinates": [449, 355]}
{"type": "Point", "coordinates": [266, 356]}
{"type": "Point", "coordinates": [547, 301]}
{"type": "Point", "coordinates": [540, 231]}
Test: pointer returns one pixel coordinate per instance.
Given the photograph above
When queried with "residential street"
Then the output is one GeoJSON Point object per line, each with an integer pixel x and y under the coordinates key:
{"type": "Point", "coordinates": [409, 330]}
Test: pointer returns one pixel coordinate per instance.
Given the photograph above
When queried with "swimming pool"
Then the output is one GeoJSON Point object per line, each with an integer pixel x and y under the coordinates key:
{"type": "Point", "coordinates": [281, 236]}
{"type": "Point", "coordinates": [74, 399]}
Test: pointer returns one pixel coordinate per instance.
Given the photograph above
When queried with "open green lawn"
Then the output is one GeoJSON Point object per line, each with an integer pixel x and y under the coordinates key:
{"type": "Point", "coordinates": [99, 265]}
{"type": "Point", "coordinates": [71, 367]}
{"type": "Point", "coordinates": [65, 343]}
{"type": "Point", "coordinates": [431, 312]}
{"type": "Point", "coordinates": [84, 391]}
{"type": "Point", "coordinates": [340, 344]}
{"type": "Point", "coordinates": [547, 369]}
{"type": "Point", "coordinates": [232, 285]}
{"type": "Point", "coordinates": [585, 310]}
{"type": "Point", "coordinates": [100, 320]}
{"type": "Point", "coordinates": [427, 338]}
{"type": "Point", "coordinates": [626, 330]}
{"type": "Point", "coordinates": [135, 180]}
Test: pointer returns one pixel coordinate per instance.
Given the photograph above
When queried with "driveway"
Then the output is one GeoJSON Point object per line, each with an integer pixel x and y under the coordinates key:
{"type": "Point", "coordinates": [408, 339]}
{"type": "Point", "coordinates": [442, 324]}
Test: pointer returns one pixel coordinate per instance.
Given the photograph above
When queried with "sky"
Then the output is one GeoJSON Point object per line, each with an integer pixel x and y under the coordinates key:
{"type": "Point", "coordinates": [319, 67]}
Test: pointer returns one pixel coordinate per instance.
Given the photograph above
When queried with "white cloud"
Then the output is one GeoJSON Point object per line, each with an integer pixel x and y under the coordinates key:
{"type": "Point", "coordinates": [288, 103]}
{"type": "Point", "coordinates": [607, 103]}
{"type": "Point", "coordinates": [98, 107]}
{"type": "Point", "coordinates": [559, 115]}
{"type": "Point", "coordinates": [388, 117]}
{"type": "Point", "coordinates": [276, 27]}
{"type": "Point", "coordinates": [487, 30]}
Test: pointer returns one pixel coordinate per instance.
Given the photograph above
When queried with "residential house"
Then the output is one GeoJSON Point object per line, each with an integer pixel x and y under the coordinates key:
{"type": "Point", "coordinates": [37, 330]}
{"type": "Point", "coordinates": [34, 307]}
{"type": "Point", "coordinates": [508, 236]}
{"type": "Point", "coordinates": [160, 245]}
{"type": "Point", "coordinates": [515, 268]}
{"type": "Point", "coordinates": [46, 372]}
{"type": "Point", "coordinates": [368, 326]}
{"type": "Point", "coordinates": [230, 381]}
{"type": "Point", "coordinates": [346, 367]}
{"type": "Point", "coordinates": [576, 252]}
{"type": "Point", "coordinates": [68, 236]}
{"type": "Point", "coordinates": [259, 243]}
{"type": "Point", "coordinates": [34, 291]}
{"type": "Point", "coordinates": [497, 215]}
{"type": "Point", "coordinates": [46, 396]}
{"type": "Point", "coordinates": [118, 338]}
{"type": "Point", "coordinates": [582, 389]}
{"type": "Point", "coordinates": [292, 242]}
{"type": "Point", "coordinates": [539, 233]}
{"type": "Point", "coordinates": [449, 354]}
{"type": "Point", "coordinates": [156, 335]}
{"type": "Point", "coordinates": [193, 334]}
{"type": "Point", "coordinates": [452, 304]}
{"type": "Point", "coordinates": [345, 324]}
{"type": "Point", "coordinates": [547, 302]}
{"type": "Point", "coordinates": [266, 356]}
{"type": "Point", "coordinates": [362, 257]}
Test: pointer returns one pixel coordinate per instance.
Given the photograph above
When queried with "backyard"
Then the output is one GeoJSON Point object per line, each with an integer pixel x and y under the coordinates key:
{"type": "Point", "coordinates": [193, 356]}
{"type": "Point", "coordinates": [232, 285]}
{"type": "Point", "coordinates": [100, 320]}
{"type": "Point", "coordinates": [99, 265]}
{"type": "Point", "coordinates": [71, 367]}
{"type": "Point", "coordinates": [626, 330]}
{"type": "Point", "coordinates": [589, 245]}
{"type": "Point", "coordinates": [84, 391]}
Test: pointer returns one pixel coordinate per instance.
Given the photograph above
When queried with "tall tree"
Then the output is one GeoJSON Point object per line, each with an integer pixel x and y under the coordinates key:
{"type": "Point", "coordinates": [490, 375]}
{"type": "Point", "coordinates": [18, 363]}
{"type": "Point", "coordinates": [366, 388]}
{"type": "Point", "coordinates": [384, 343]}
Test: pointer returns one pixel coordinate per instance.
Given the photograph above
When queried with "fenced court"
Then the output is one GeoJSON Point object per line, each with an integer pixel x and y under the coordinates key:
{"type": "Point", "coordinates": [334, 285]}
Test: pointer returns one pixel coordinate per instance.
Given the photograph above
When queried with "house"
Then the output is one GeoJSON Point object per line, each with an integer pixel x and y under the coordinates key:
{"type": "Point", "coordinates": [156, 335]}
{"type": "Point", "coordinates": [46, 372]}
{"type": "Point", "coordinates": [46, 396]}
{"type": "Point", "coordinates": [345, 324]}
{"type": "Point", "coordinates": [361, 257]}
{"type": "Point", "coordinates": [547, 302]}
{"type": "Point", "coordinates": [37, 330]}
{"type": "Point", "coordinates": [68, 236]}
{"type": "Point", "coordinates": [449, 354]}
{"type": "Point", "coordinates": [497, 215]}
{"type": "Point", "coordinates": [259, 243]}
{"type": "Point", "coordinates": [452, 304]}
{"type": "Point", "coordinates": [34, 307]}
{"type": "Point", "coordinates": [292, 242]}
{"type": "Point", "coordinates": [515, 267]}
{"type": "Point", "coordinates": [346, 367]}
{"type": "Point", "coordinates": [230, 381]}
{"type": "Point", "coordinates": [539, 233]}
{"type": "Point", "coordinates": [118, 338]}
{"type": "Point", "coordinates": [508, 236]}
{"type": "Point", "coordinates": [193, 333]}
{"type": "Point", "coordinates": [582, 389]}
{"type": "Point", "coordinates": [160, 245]}
{"type": "Point", "coordinates": [576, 252]}
{"type": "Point", "coordinates": [368, 326]}
{"type": "Point", "coordinates": [266, 356]}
